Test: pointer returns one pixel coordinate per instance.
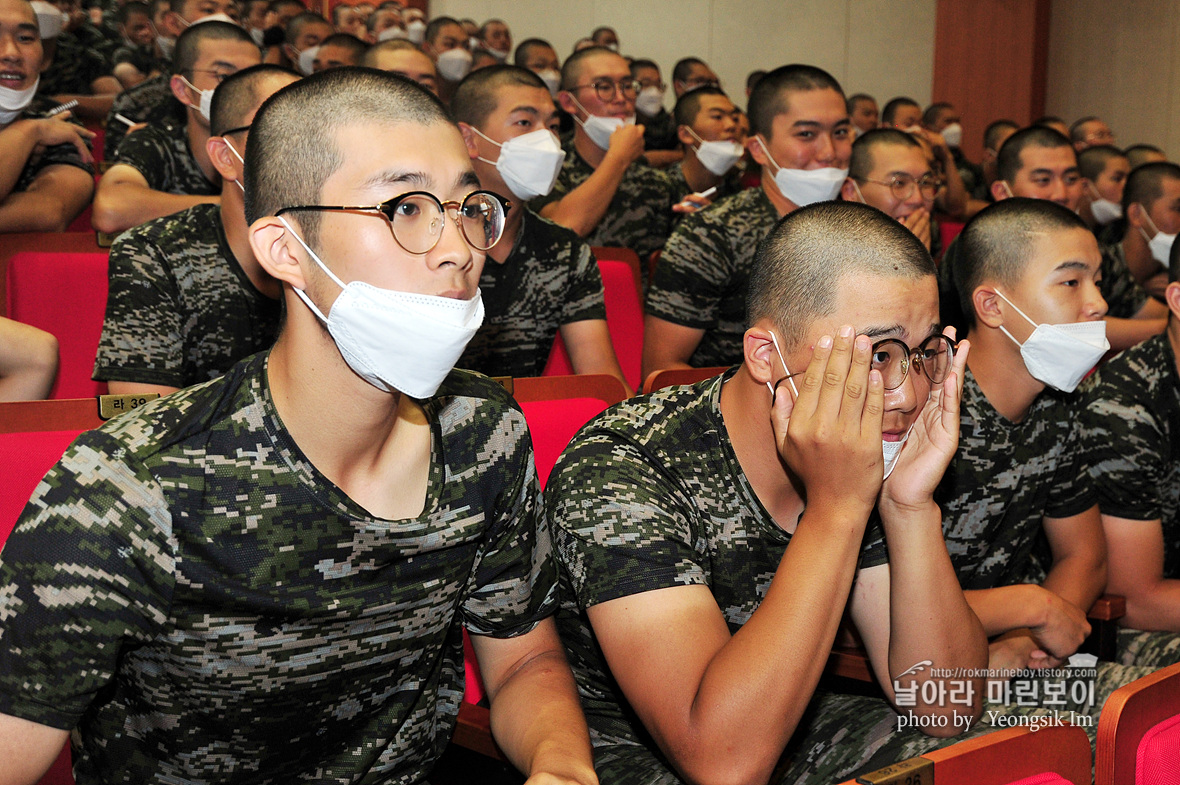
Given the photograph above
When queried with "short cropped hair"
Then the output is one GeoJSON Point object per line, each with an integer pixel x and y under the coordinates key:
{"type": "Point", "coordinates": [601, 29]}
{"type": "Point", "coordinates": [1093, 160]}
{"type": "Point", "coordinates": [189, 42]}
{"type": "Point", "coordinates": [477, 95]}
{"type": "Point", "coordinates": [996, 245]}
{"type": "Point", "coordinates": [276, 5]}
{"type": "Point", "coordinates": [799, 265]}
{"type": "Point", "coordinates": [1048, 118]}
{"type": "Point", "coordinates": [134, 7]}
{"type": "Point", "coordinates": [862, 161]}
{"type": "Point", "coordinates": [770, 97]}
{"type": "Point", "coordinates": [434, 29]}
{"type": "Point", "coordinates": [684, 66]}
{"type": "Point", "coordinates": [991, 134]}
{"type": "Point", "coordinates": [930, 116]}
{"type": "Point", "coordinates": [237, 96]}
{"type": "Point", "coordinates": [1008, 161]}
{"type": "Point", "coordinates": [1137, 153]}
{"type": "Point", "coordinates": [289, 159]}
{"type": "Point", "coordinates": [392, 45]}
{"type": "Point", "coordinates": [1076, 132]}
{"type": "Point", "coordinates": [349, 42]}
{"type": "Point", "coordinates": [1145, 184]}
{"type": "Point", "coordinates": [643, 63]}
{"type": "Point", "coordinates": [521, 55]}
{"type": "Point", "coordinates": [296, 24]}
{"type": "Point", "coordinates": [572, 68]}
{"type": "Point", "coordinates": [890, 110]}
{"type": "Point", "coordinates": [753, 78]}
{"type": "Point", "coordinates": [688, 106]}
{"type": "Point", "coordinates": [853, 100]}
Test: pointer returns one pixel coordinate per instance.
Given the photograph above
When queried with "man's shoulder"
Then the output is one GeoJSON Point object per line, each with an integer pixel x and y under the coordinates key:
{"type": "Point", "coordinates": [1135, 375]}
{"type": "Point", "coordinates": [192, 231]}
{"type": "Point", "coordinates": [745, 217]}
{"type": "Point", "coordinates": [544, 236]}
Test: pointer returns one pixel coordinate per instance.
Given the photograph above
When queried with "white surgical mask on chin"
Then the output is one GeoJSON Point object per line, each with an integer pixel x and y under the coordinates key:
{"type": "Point", "coordinates": [806, 186]}
{"type": "Point", "coordinates": [1104, 210]}
{"type": "Point", "coordinates": [953, 135]}
{"type": "Point", "coordinates": [600, 128]}
{"type": "Point", "coordinates": [454, 64]}
{"type": "Point", "coordinates": [204, 107]}
{"type": "Point", "coordinates": [889, 450]}
{"type": "Point", "coordinates": [306, 60]}
{"type": "Point", "coordinates": [650, 101]}
{"type": "Point", "coordinates": [1161, 244]}
{"type": "Point", "coordinates": [391, 34]}
{"type": "Point", "coordinates": [1060, 355]}
{"type": "Point", "coordinates": [718, 157]}
{"type": "Point", "coordinates": [396, 340]}
{"type": "Point", "coordinates": [13, 102]}
{"type": "Point", "coordinates": [552, 80]}
{"type": "Point", "coordinates": [167, 46]}
{"type": "Point", "coordinates": [529, 163]}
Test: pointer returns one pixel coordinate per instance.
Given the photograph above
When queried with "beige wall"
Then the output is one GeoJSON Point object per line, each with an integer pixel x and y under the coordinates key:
{"type": "Point", "coordinates": [1120, 61]}
{"type": "Point", "coordinates": [881, 47]}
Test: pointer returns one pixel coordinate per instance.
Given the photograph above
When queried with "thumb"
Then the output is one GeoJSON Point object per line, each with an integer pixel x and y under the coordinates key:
{"type": "Point", "coordinates": [781, 408]}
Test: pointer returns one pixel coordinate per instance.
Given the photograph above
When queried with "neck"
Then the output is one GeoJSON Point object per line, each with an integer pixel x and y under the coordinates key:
{"type": "Point", "coordinates": [698, 177]}
{"type": "Point", "coordinates": [782, 205]}
{"type": "Point", "coordinates": [233, 222]}
{"type": "Point", "coordinates": [998, 368]}
{"type": "Point", "coordinates": [592, 153]}
{"type": "Point", "coordinates": [512, 223]}
{"type": "Point", "coordinates": [1137, 254]}
{"type": "Point", "coordinates": [745, 409]}
{"type": "Point", "coordinates": [198, 134]}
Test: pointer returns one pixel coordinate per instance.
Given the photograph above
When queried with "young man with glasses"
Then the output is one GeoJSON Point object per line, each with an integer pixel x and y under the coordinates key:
{"type": "Point", "coordinates": [266, 576]}
{"type": "Point", "coordinates": [604, 192]}
{"type": "Point", "coordinates": [890, 171]}
{"type": "Point", "coordinates": [160, 170]}
{"type": "Point", "coordinates": [187, 298]}
{"type": "Point", "coordinates": [696, 634]}
{"type": "Point", "coordinates": [802, 139]}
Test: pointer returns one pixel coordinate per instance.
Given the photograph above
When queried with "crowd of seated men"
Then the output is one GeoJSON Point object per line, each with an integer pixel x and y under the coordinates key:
{"type": "Point", "coordinates": [951, 387]}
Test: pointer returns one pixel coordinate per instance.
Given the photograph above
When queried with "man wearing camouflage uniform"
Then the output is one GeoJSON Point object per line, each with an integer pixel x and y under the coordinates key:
{"type": "Point", "coordinates": [802, 139]}
{"type": "Point", "coordinates": [1131, 430]}
{"type": "Point", "coordinates": [604, 192]}
{"type": "Point", "coordinates": [160, 170]}
{"type": "Point", "coordinates": [541, 277]}
{"type": "Point", "coordinates": [187, 299]}
{"type": "Point", "coordinates": [266, 576]}
{"type": "Point", "coordinates": [696, 634]}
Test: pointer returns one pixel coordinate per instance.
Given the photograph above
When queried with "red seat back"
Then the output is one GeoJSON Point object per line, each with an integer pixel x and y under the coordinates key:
{"type": "Point", "coordinates": [64, 294]}
{"type": "Point", "coordinates": [24, 460]}
{"type": "Point", "coordinates": [1157, 761]}
{"type": "Point", "coordinates": [1139, 731]}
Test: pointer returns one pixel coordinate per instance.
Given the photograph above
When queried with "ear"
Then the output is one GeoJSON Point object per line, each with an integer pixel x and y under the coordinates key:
{"type": "Point", "coordinates": [987, 306]}
{"type": "Point", "coordinates": [757, 151]}
{"type": "Point", "coordinates": [566, 101]}
{"type": "Point", "coordinates": [848, 191]}
{"type": "Point", "coordinates": [999, 190]}
{"type": "Point", "coordinates": [470, 138]}
{"type": "Point", "coordinates": [1135, 215]}
{"type": "Point", "coordinates": [223, 160]}
{"type": "Point", "coordinates": [684, 136]}
{"type": "Point", "coordinates": [759, 354]}
{"type": "Point", "coordinates": [1172, 298]}
{"type": "Point", "coordinates": [179, 89]}
{"type": "Point", "coordinates": [277, 251]}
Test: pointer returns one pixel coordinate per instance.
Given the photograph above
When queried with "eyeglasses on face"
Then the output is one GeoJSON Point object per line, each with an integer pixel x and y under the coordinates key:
{"type": "Point", "coordinates": [606, 90]}
{"type": "Point", "coordinates": [934, 357]}
{"type": "Point", "coordinates": [416, 219]}
{"type": "Point", "coordinates": [902, 185]}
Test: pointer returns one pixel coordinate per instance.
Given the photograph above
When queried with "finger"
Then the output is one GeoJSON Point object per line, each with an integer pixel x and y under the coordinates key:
{"type": "Point", "coordinates": [856, 385]}
{"type": "Point", "coordinates": [835, 375]}
{"type": "Point", "coordinates": [874, 412]}
{"type": "Point", "coordinates": [812, 379]}
{"type": "Point", "coordinates": [780, 411]}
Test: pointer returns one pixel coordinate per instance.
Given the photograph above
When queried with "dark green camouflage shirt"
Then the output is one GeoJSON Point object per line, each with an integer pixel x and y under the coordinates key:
{"type": "Point", "coordinates": [193, 595]}
{"type": "Point", "coordinates": [640, 214]}
{"type": "Point", "coordinates": [163, 156]}
{"type": "Point", "coordinates": [1131, 428]}
{"type": "Point", "coordinates": [150, 101]}
{"type": "Point", "coordinates": [1004, 480]}
{"type": "Point", "coordinates": [549, 279]}
{"type": "Point", "coordinates": [650, 495]}
{"type": "Point", "coordinates": [731, 183]}
{"type": "Point", "coordinates": [74, 68]}
{"type": "Point", "coordinates": [659, 132]}
{"type": "Point", "coordinates": [180, 309]}
{"type": "Point", "coordinates": [704, 272]}
{"type": "Point", "coordinates": [1123, 294]}
{"type": "Point", "coordinates": [65, 154]}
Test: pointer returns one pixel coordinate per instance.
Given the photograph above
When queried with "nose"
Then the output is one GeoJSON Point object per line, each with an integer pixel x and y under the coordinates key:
{"type": "Point", "coordinates": [825, 149]}
{"type": "Point", "coordinates": [8, 48]}
{"type": "Point", "coordinates": [1095, 303]}
{"type": "Point", "coordinates": [452, 248]}
{"type": "Point", "coordinates": [1058, 192]}
{"type": "Point", "coordinates": [905, 398]}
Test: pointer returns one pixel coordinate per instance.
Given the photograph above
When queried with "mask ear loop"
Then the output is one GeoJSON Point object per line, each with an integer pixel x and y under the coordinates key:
{"type": "Point", "coordinates": [772, 388]}
{"type": "Point", "coordinates": [1022, 313]}
{"type": "Point", "coordinates": [493, 141]}
{"type": "Point", "coordinates": [301, 293]}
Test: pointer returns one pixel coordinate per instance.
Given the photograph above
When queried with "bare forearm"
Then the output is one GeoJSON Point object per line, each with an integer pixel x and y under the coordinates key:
{"type": "Point", "coordinates": [1077, 578]}
{"type": "Point", "coordinates": [1125, 333]}
{"type": "Point", "coordinates": [537, 721]}
{"type": "Point", "coordinates": [1154, 606]}
{"type": "Point", "coordinates": [16, 145]}
{"type": "Point", "coordinates": [1005, 608]}
{"type": "Point", "coordinates": [91, 108]}
{"type": "Point", "coordinates": [123, 206]}
{"type": "Point", "coordinates": [37, 211]}
{"type": "Point", "coordinates": [583, 208]}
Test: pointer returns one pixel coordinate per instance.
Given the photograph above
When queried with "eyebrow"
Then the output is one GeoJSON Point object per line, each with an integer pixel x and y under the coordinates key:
{"type": "Point", "coordinates": [876, 333]}
{"type": "Point", "coordinates": [527, 109]}
{"type": "Point", "coordinates": [395, 177]}
{"type": "Point", "coordinates": [467, 178]}
{"type": "Point", "coordinates": [1073, 264]}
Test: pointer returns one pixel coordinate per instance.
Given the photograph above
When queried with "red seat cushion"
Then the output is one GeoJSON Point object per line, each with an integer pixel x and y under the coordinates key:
{"type": "Point", "coordinates": [24, 460]}
{"type": "Point", "coordinates": [552, 425]}
{"type": "Point", "coordinates": [1157, 761]}
{"type": "Point", "coordinates": [1049, 778]}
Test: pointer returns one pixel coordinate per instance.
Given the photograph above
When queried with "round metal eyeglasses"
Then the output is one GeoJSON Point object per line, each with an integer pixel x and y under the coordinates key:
{"type": "Point", "coordinates": [416, 219]}
{"type": "Point", "coordinates": [934, 357]}
{"type": "Point", "coordinates": [902, 186]}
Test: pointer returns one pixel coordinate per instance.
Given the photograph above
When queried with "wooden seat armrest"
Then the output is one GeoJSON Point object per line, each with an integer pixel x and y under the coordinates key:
{"type": "Point", "coordinates": [1108, 607]}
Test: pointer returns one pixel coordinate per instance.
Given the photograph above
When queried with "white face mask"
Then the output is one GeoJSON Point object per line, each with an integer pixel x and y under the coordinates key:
{"type": "Point", "coordinates": [889, 450]}
{"type": "Point", "coordinates": [953, 134]}
{"type": "Point", "coordinates": [650, 101]}
{"type": "Point", "coordinates": [218, 17]}
{"type": "Point", "coordinates": [13, 102]}
{"type": "Point", "coordinates": [391, 34]}
{"type": "Point", "coordinates": [1060, 355]}
{"type": "Point", "coordinates": [167, 45]}
{"type": "Point", "coordinates": [806, 186]}
{"type": "Point", "coordinates": [529, 163]}
{"type": "Point", "coordinates": [306, 60]}
{"type": "Point", "coordinates": [1104, 210]}
{"type": "Point", "coordinates": [1161, 244]}
{"type": "Point", "coordinates": [600, 128]}
{"type": "Point", "coordinates": [499, 54]}
{"type": "Point", "coordinates": [258, 35]}
{"type": "Point", "coordinates": [718, 157]}
{"type": "Point", "coordinates": [206, 102]}
{"type": "Point", "coordinates": [396, 340]}
{"type": "Point", "coordinates": [454, 64]}
{"type": "Point", "coordinates": [552, 80]}
{"type": "Point", "coordinates": [416, 31]}
{"type": "Point", "coordinates": [50, 21]}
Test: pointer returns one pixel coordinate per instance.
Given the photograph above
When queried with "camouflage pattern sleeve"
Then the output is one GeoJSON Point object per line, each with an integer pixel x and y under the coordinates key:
{"type": "Point", "coordinates": [692, 273]}
{"type": "Point", "coordinates": [515, 577]}
{"type": "Point", "coordinates": [1071, 491]}
{"type": "Point", "coordinates": [1123, 294]}
{"type": "Point", "coordinates": [86, 572]}
{"type": "Point", "coordinates": [65, 154]}
{"type": "Point", "coordinates": [584, 297]}
{"type": "Point", "coordinates": [162, 156]}
{"type": "Point", "coordinates": [138, 104]}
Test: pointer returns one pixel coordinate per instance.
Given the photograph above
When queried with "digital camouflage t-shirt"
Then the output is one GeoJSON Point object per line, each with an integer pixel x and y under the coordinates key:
{"type": "Point", "coordinates": [1131, 428]}
{"type": "Point", "coordinates": [1123, 294]}
{"type": "Point", "coordinates": [150, 101]}
{"type": "Point", "coordinates": [640, 214]}
{"type": "Point", "coordinates": [1004, 480]}
{"type": "Point", "coordinates": [704, 272]}
{"type": "Point", "coordinates": [163, 156]}
{"type": "Point", "coordinates": [180, 309]}
{"type": "Point", "coordinates": [193, 595]}
{"type": "Point", "coordinates": [51, 156]}
{"type": "Point", "coordinates": [651, 495]}
{"type": "Point", "coordinates": [549, 279]}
